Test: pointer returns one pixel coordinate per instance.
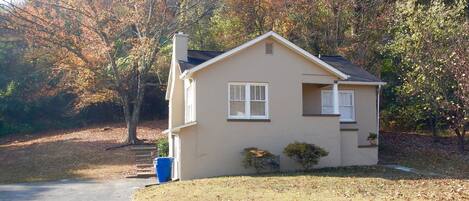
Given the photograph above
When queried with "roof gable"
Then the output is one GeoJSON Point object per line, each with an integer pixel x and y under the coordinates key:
{"type": "Point", "coordinates": [355, 73]}
{"type": "Point", "coordinates": [188, 69]}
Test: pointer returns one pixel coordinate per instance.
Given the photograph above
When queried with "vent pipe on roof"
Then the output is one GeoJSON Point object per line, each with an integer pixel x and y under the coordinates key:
{"type": "Point", "coordinates": [180, 46]}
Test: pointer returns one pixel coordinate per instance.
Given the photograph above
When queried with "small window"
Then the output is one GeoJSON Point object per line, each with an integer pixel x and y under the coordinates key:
{"type": "Point", "coordinates": [269, 48]}
{"type": "Point", "coordinates": [346, 104]}
{"type": "Point", "coordinates": [248, 101]}
{"type": "Point", "coordinates": [189, 94]}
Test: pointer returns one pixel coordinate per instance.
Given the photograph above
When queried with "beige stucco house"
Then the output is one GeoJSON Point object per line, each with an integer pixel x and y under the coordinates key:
{"type": "Point", "coordinates": [266, 93]}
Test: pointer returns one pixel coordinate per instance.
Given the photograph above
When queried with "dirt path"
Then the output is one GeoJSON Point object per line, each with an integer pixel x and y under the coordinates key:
{"type": "Point", "coordinates": [78, 153]}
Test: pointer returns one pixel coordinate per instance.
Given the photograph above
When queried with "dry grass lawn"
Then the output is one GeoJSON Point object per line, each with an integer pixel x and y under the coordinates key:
{"type": "Point", "coordinates": [355, 183]}
{"type": "Point", "coordinates": [78, 153]}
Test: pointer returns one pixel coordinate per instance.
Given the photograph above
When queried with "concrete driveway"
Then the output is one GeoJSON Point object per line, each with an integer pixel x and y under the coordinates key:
{"type": "Point", "coordinates": [73, 190]}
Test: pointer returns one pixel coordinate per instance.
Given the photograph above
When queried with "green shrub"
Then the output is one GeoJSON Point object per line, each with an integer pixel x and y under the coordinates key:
{"type": "Point", "coordinates": [305, 154]}
{"type": "Point", "coordinates": [260, 159]}
{"type": "Point", "coordinates": [162, 146]}
{"type": "Point", "coordinates": [372, 136]}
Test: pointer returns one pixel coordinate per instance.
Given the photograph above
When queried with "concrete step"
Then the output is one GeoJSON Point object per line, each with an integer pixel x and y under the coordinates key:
{"type": "Point", "coordinates": [143, 147]}
{"type": "Point", "coordinates": [148, 155]}
{"type": "Point", "coordinates": [144, 155]}
{"type": "Point", "coordinates": [144, 165]}
{"type": "Point", "coordinates": [145, 171]}
{"type": "Point", "coordinates": [149, 160]}
{"type": "Point", "coordinates": [144, 151]}
{"type": "Point", "coordinates": [144, 175]}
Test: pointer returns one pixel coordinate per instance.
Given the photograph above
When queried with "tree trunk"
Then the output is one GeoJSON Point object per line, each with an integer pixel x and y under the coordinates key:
{"type": "Point", "coordinates": [130, 120]}
{"type": "Point", "coordinates": [460, 135]}
{"type": "Point", "coordinates": [130, 124]}
{"type": "Point", "coordinates": [134, 116]}
{"type": "Point", "coordinates": [132, 131]}
{"type": "Point", "coordinates": [434, 129]}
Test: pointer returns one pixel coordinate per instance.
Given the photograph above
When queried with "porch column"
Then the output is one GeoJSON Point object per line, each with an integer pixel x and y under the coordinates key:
{"type": "Point", "coordinates": [335, 98]}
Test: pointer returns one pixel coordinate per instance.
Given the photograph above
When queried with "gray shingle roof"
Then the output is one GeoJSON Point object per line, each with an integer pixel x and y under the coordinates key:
{"type": "Point", "coordinates": [356, 73]}
{"type": "Point", "coordinates": [196, 57]}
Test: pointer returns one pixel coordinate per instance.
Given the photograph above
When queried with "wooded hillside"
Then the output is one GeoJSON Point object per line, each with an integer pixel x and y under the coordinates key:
{"type": "Point", "coordinates": [67, 63]}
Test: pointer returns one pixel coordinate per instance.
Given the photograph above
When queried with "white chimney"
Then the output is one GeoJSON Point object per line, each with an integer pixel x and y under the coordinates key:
{"type": "Point", "coordinates": [180, 41]}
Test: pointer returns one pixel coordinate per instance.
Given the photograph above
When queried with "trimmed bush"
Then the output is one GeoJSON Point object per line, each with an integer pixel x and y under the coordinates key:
{"type": "Point", "coordinates": [372, 136]}
{"type": "Point", "coordinates": [260, 159]}
{"type": "Point", "coordinates": [305, 154]}
{"type": "Point", "coordinates": [162, 146]}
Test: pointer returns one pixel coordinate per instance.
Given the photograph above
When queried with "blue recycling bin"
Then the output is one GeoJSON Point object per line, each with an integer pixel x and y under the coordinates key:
{"type": "Point", "coordinates": [163, 168]}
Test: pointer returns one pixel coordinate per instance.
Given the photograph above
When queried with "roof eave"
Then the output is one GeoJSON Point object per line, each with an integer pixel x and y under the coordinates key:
{"type": "Point", "coordinates": [362, 83]}
{"type": "Point", "coordinates": [178, 128]}
{"type": "Point", "coordinates": [186, 74]}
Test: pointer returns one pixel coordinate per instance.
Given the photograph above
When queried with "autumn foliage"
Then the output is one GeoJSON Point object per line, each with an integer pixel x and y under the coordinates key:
{"type": "Point", "coordinates": [103, 50]}
{"type": "Point", "coordinates": [111, 51]}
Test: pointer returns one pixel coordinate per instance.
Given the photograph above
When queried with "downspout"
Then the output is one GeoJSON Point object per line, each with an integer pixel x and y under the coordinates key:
{"type": "Point", "coordinates": [377, 111]}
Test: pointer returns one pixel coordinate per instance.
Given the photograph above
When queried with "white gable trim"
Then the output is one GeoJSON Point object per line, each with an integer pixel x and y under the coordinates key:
{"type": "Point", "coordinates": [169, 85]}
{"type": "Point", "coordinates": [278, 38]}
{"type": "Point", "coordinates": [362, 83]}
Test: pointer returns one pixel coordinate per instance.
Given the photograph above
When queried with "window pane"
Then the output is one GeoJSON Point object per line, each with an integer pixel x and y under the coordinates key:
{"type": "Point", "coordinates": [346, 112]}
{"type": "Point", "coordinates": [345, 99]}
{"type": "Point", "coordinates": [253, 93]}
{"type": "Point", "coordinates": [258, 93]}
{"type": "Point", "coordinates": [262, 91]}
{"type": "Point", "coordinates": [327, 98]}
{"type": "Point", "coordinates": [237, 92]}
{"type": "Point", "coordinates": [258, 108]}
{"type": "Point", "coordinates": [189, 109]}
{"type": "Point", "coordinates": [232, 92]}
{"type": "Point", "coordinates": [327, 110]}
{"type": "Point", "coordinates": [237, 108]}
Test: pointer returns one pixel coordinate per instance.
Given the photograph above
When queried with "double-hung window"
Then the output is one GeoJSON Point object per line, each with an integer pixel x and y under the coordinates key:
{"type": "Point", "coordinates": [189, 92]}
{"type": "Point", "coordinates": [346, 104]}
{"type": "Point", "coordinates": [248, 101]}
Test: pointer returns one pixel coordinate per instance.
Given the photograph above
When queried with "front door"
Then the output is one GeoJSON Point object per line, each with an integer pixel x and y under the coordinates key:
{"type": "Point", "coordinates": [176, 144]}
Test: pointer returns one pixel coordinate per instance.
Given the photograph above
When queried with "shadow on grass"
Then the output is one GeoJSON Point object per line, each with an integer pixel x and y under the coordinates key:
{"type": "Point", "coordinates": [376, 171]}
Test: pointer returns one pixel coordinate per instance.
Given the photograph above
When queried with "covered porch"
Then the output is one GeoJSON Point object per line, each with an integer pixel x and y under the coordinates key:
{"type": "Point", "coordinates": [320, 99]}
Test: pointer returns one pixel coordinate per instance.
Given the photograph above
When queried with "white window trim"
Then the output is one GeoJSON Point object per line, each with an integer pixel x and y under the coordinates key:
{"type": "Point", "coordinates": [192, 118]}
{"type": "Point", "coordinates": [341, 91]}
{"type": "Point", "coordinates": [247, 101]}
